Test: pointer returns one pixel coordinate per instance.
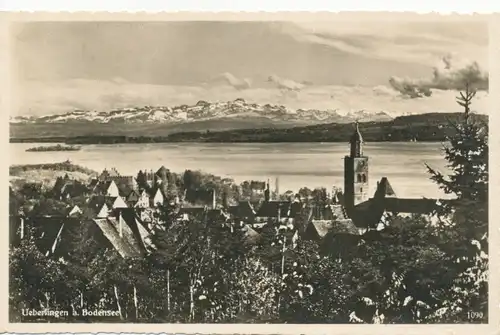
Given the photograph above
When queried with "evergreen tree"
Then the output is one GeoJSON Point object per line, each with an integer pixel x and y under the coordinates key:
{"type": "Point", "coordinates": [464, 220]}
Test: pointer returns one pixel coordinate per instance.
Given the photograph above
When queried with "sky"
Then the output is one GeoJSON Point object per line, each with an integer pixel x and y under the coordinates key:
{"type": "Point", "coordinates": [345, 65]}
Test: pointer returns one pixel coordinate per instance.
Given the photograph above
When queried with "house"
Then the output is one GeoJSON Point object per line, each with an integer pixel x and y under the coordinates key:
{"type": "Point", "coordinates": [66, 188]}
{"type": "Point", "coordinates": [106, 188]}
{"type": "Point", "coordinates": [242, 212]}
{"type": "Point", "coordinates": [143, 200]}
{"type": "Point", "coordinates": [258, 187]}
{"type": "Point", "coordinates": [107, 174]}
{"type": "Point", "coordinates": [284, 212]}
{"type": "Point", "coordinates": [132, 198]}
{"type": "Point", "coordinates": [157, 196]}
{"type": "Point", "coordinates": [125, 184]}
{"type": "Point", "coordinates": [101, 206]}
{"type": "Point", "coordinates": [317, 229]}
{"type": "Point", "coordinates": [122, 231]}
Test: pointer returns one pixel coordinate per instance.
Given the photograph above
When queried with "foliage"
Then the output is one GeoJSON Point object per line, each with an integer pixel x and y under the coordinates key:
{"type": "Point", "coordinates": [203, 269]}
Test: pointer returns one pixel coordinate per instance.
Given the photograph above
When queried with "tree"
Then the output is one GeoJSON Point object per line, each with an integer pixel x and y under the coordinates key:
{"type": "Point", "coordinates": [464, 220]}
{"type": "Point", "coordinates": [37, 282]}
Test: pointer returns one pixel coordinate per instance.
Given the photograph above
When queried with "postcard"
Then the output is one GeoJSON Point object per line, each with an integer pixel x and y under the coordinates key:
{"type": "Point", "coordinates": [302, 173]}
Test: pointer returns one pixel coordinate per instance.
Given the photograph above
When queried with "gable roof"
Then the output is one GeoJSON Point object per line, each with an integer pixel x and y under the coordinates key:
{"type": "Point", "coordinates": [385, 188]}
{"type": "Point", "coordinates": [286, 209]}
{"type": "Point", "coordinates": [73, 189]}
{"type": "Point", "coordinates": [162, 171]}
{"type": "Point", "coordinates": [130, 217]}
{"type": "Point", "coordinates": [324, 227]}
{"type": "Point", "coordinates": [243, 209]}
{"type": "Point", "coordinates": [124, 183]}
{"type": "Point", "coordinates": [126, 245]}
{"type": "Point", "coordinates": [251, 235]}
{"type": "Point", "coordinates": [103, 186]}
{"type": "Point", "coordinates": [124, 190]}
{"type": "Point", "coordinates": [109, 173]}
{"type": "Point", "coordinates": [321, 227]}
{"type": "Point", "coordinates": [47, 229]}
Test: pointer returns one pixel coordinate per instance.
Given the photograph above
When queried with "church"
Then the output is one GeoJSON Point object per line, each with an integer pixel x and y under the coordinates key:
{"type": "Point", "coordinates": [354, 212]}
{"type": "Point", "coordinates": [366, 212]}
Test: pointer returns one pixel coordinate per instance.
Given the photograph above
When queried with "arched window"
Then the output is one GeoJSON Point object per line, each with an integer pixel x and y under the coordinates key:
{"type": "Point", "coordinates": [363, 178]}
{"type": "Point", "coordinates": [359, 178]}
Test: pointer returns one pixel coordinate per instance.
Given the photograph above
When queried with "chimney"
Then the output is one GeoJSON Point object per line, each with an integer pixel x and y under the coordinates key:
{"type": "Point", "coordinates": [214, 199]}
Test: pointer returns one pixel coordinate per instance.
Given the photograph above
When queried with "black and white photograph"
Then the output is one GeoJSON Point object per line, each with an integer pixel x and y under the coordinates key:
{"type": "Point", "coordinates": [324, 170]}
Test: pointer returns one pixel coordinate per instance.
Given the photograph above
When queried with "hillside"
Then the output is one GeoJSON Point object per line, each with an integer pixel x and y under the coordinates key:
{"type": "Point", "coordinates": [47, 173]}
{"type": "Point", "coordinates": [426, 127]}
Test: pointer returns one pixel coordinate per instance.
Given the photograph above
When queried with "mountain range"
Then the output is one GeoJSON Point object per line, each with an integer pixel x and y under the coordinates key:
{"type": "Point", "coordinates": [203, 111]}
{"type": "Point", "coordinates": [203, 116]}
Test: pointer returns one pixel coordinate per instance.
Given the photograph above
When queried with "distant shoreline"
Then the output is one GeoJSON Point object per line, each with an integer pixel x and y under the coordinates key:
{"type": "Point", "coordinates": [90, 141]}
{"type": "Point", "coordinates": [434, 127]}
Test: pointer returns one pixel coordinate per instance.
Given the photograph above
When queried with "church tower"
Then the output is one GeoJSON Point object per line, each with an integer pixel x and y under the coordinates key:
{"type": "Point", "coordinates": [355, 172]}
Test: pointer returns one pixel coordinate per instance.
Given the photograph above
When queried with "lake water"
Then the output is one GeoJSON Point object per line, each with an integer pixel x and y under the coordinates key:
{"type": "Point", "coordinates": [296, 164]}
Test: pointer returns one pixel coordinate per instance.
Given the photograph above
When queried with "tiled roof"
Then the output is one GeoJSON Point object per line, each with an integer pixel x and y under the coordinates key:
{"type": "Point", "coordinates": [328, 212]}
{"type": "Point", "coordinates": [49, 231]}
{"type": "Point", "coordinates": [285, 208]}
{"type": "Point", "coordinates": [322, 227]}
{"type": "Point", "coordinates": [126, 245]}
{"type": "Point", "coordinates": [250, 234]}
{"type": "Point", "coordinates": [418, 206]}
{"type": "Point", "coordinates": [244, 209]}
{"type": "Point", "coordinates": [132, 220]}
{"type": "Point", "coordinates": [325, 227]}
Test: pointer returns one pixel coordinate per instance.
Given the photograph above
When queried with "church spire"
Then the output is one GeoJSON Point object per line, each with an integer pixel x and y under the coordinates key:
{"type": "Point", "coordinates": [356, 142]}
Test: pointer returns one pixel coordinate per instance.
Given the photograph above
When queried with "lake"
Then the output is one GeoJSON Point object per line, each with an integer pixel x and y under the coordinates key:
{"type": "Point", "coordinates": [296, 164]}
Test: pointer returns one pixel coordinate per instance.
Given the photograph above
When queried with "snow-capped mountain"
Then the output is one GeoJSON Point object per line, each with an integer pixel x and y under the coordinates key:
{"type": "Point", "coordinates": [204, 111]}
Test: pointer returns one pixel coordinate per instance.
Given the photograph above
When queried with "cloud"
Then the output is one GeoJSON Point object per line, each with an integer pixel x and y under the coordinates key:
{"type": "Point", "coordinates": [42, 97]}
{"type": "Point", "coordinates": [285, 84]}
{"type": "Point", "coordinates": [232, 80]}
{"type": "Point", "coordinates": [448, 76]}
{"type": "Point", "coordinates": [418, 41]}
